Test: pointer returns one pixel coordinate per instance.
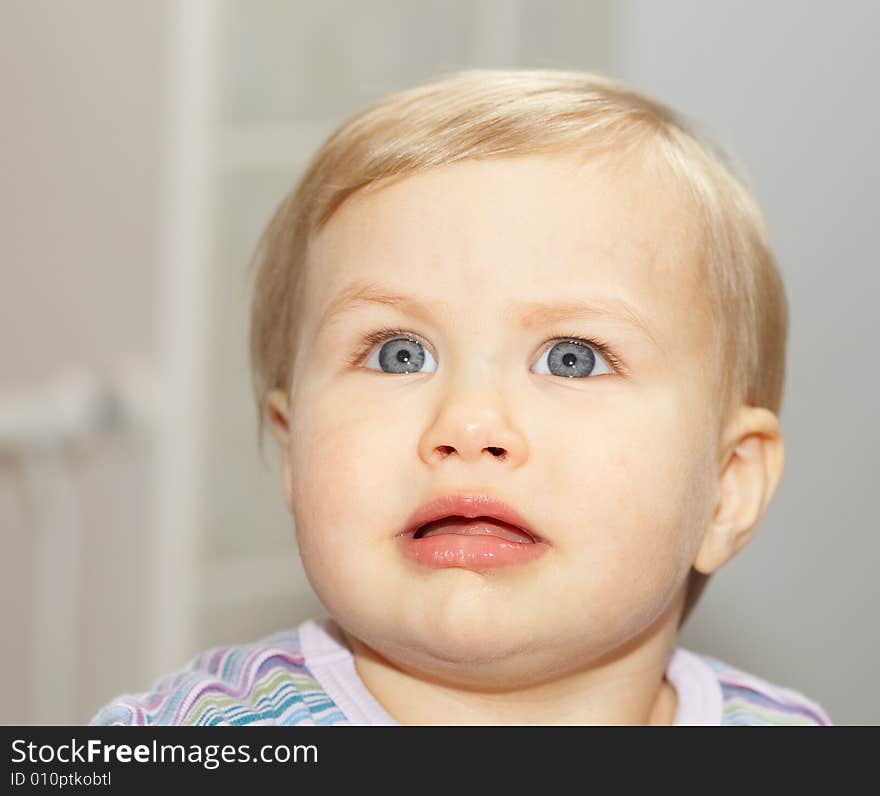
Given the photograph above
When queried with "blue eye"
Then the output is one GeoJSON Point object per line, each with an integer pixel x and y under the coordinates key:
{"type": "Point", "coordinates": [572, 359]}
{"type": "Point", "coordinates": [404, 353]}
{"type": "Point", "coordinates": [400, 355]}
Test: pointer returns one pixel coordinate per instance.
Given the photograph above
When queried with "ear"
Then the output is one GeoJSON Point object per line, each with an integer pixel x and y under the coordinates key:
{"type": "Point", "coordinates": [753, 459]}
{"type": "Point", "coordinates": [278, 413]}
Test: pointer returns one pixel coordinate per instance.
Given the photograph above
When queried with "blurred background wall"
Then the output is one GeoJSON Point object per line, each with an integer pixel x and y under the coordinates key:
{"type": "Point", "coordinates": [144, 147]}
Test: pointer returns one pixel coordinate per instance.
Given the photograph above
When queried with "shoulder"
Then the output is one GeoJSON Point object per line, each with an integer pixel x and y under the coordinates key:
{"type": "Point", "coordinates": [264, 682]}
{"type": "Point", "coordinates": [749, 700]}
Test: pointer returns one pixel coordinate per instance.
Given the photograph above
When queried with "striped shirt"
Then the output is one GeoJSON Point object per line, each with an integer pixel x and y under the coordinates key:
{"type": "Point", "coordinates": [306, 676]}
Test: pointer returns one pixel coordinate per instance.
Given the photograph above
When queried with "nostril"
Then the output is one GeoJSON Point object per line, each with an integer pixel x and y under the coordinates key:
{"type": "Point", "coordinates": [499, 452]}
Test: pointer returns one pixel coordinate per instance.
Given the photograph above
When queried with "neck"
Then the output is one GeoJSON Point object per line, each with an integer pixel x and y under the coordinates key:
{"type": "Point", "coordinates": [625, 687]}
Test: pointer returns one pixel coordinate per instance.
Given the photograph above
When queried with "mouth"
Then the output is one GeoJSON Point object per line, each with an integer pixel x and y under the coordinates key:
{"type": "Point", "coordinates": [470, 515]}
{"type": "Point", "coordinates": [473, 526]}
{"type": "Point", "coordinates": [473, 532]}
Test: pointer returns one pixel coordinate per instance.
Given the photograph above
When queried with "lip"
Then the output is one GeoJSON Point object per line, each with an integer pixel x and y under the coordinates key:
{"type": "Point", "coordinates": [478, 553]}
{"type": "Point", "coordinates": [468, 506]}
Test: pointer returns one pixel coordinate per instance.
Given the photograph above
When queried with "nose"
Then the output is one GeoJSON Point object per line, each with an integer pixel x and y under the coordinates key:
{"type": "Point", "coordinates": [472, 428]}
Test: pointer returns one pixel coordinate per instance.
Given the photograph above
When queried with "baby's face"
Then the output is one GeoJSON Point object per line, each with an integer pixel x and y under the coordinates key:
{"type": "Point", "coordinates": [613, 466]}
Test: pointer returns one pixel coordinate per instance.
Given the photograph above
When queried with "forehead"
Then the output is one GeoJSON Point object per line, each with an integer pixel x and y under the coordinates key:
{"type": "Point", "coordinates": [475, 236]}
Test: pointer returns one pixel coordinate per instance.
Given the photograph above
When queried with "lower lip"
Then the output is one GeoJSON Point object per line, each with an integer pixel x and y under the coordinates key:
{"type": "Point", "coordinates": [478, 552]}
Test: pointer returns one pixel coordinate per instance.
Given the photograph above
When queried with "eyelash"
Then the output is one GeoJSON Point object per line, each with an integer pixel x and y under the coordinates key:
{"type": "Point", "coordinates": [380, 335]}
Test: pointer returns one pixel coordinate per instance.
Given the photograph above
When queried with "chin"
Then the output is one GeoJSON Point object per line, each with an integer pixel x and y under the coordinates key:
{"type": "Point", "coordinates": [487, 665]}
{"type": "Point", "coordinates": [474, 637]}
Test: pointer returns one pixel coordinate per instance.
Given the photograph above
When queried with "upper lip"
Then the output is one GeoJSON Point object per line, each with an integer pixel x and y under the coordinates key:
{"type": "Point", "coordinates": [468, 506]}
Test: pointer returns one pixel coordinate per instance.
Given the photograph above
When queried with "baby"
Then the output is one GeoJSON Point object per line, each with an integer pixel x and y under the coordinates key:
{"type": "Point", "coordinates": [521, 340]}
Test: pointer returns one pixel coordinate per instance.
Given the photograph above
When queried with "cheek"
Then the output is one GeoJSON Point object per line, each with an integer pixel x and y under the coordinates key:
{"type": "Point", "coordinates": [342, 467]}
{"type": "Point", "coordinates": [348, 497]}
{"type": "Point", "coordinates": [627, 494]}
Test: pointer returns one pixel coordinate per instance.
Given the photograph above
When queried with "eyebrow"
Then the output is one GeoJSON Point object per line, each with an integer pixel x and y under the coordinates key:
{"type": "Point", "coordinates": [533, 314]}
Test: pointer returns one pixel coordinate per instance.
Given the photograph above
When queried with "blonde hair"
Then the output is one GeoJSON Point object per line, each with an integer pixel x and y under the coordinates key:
{"type": "Point", "coordinates": [484, 113]}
